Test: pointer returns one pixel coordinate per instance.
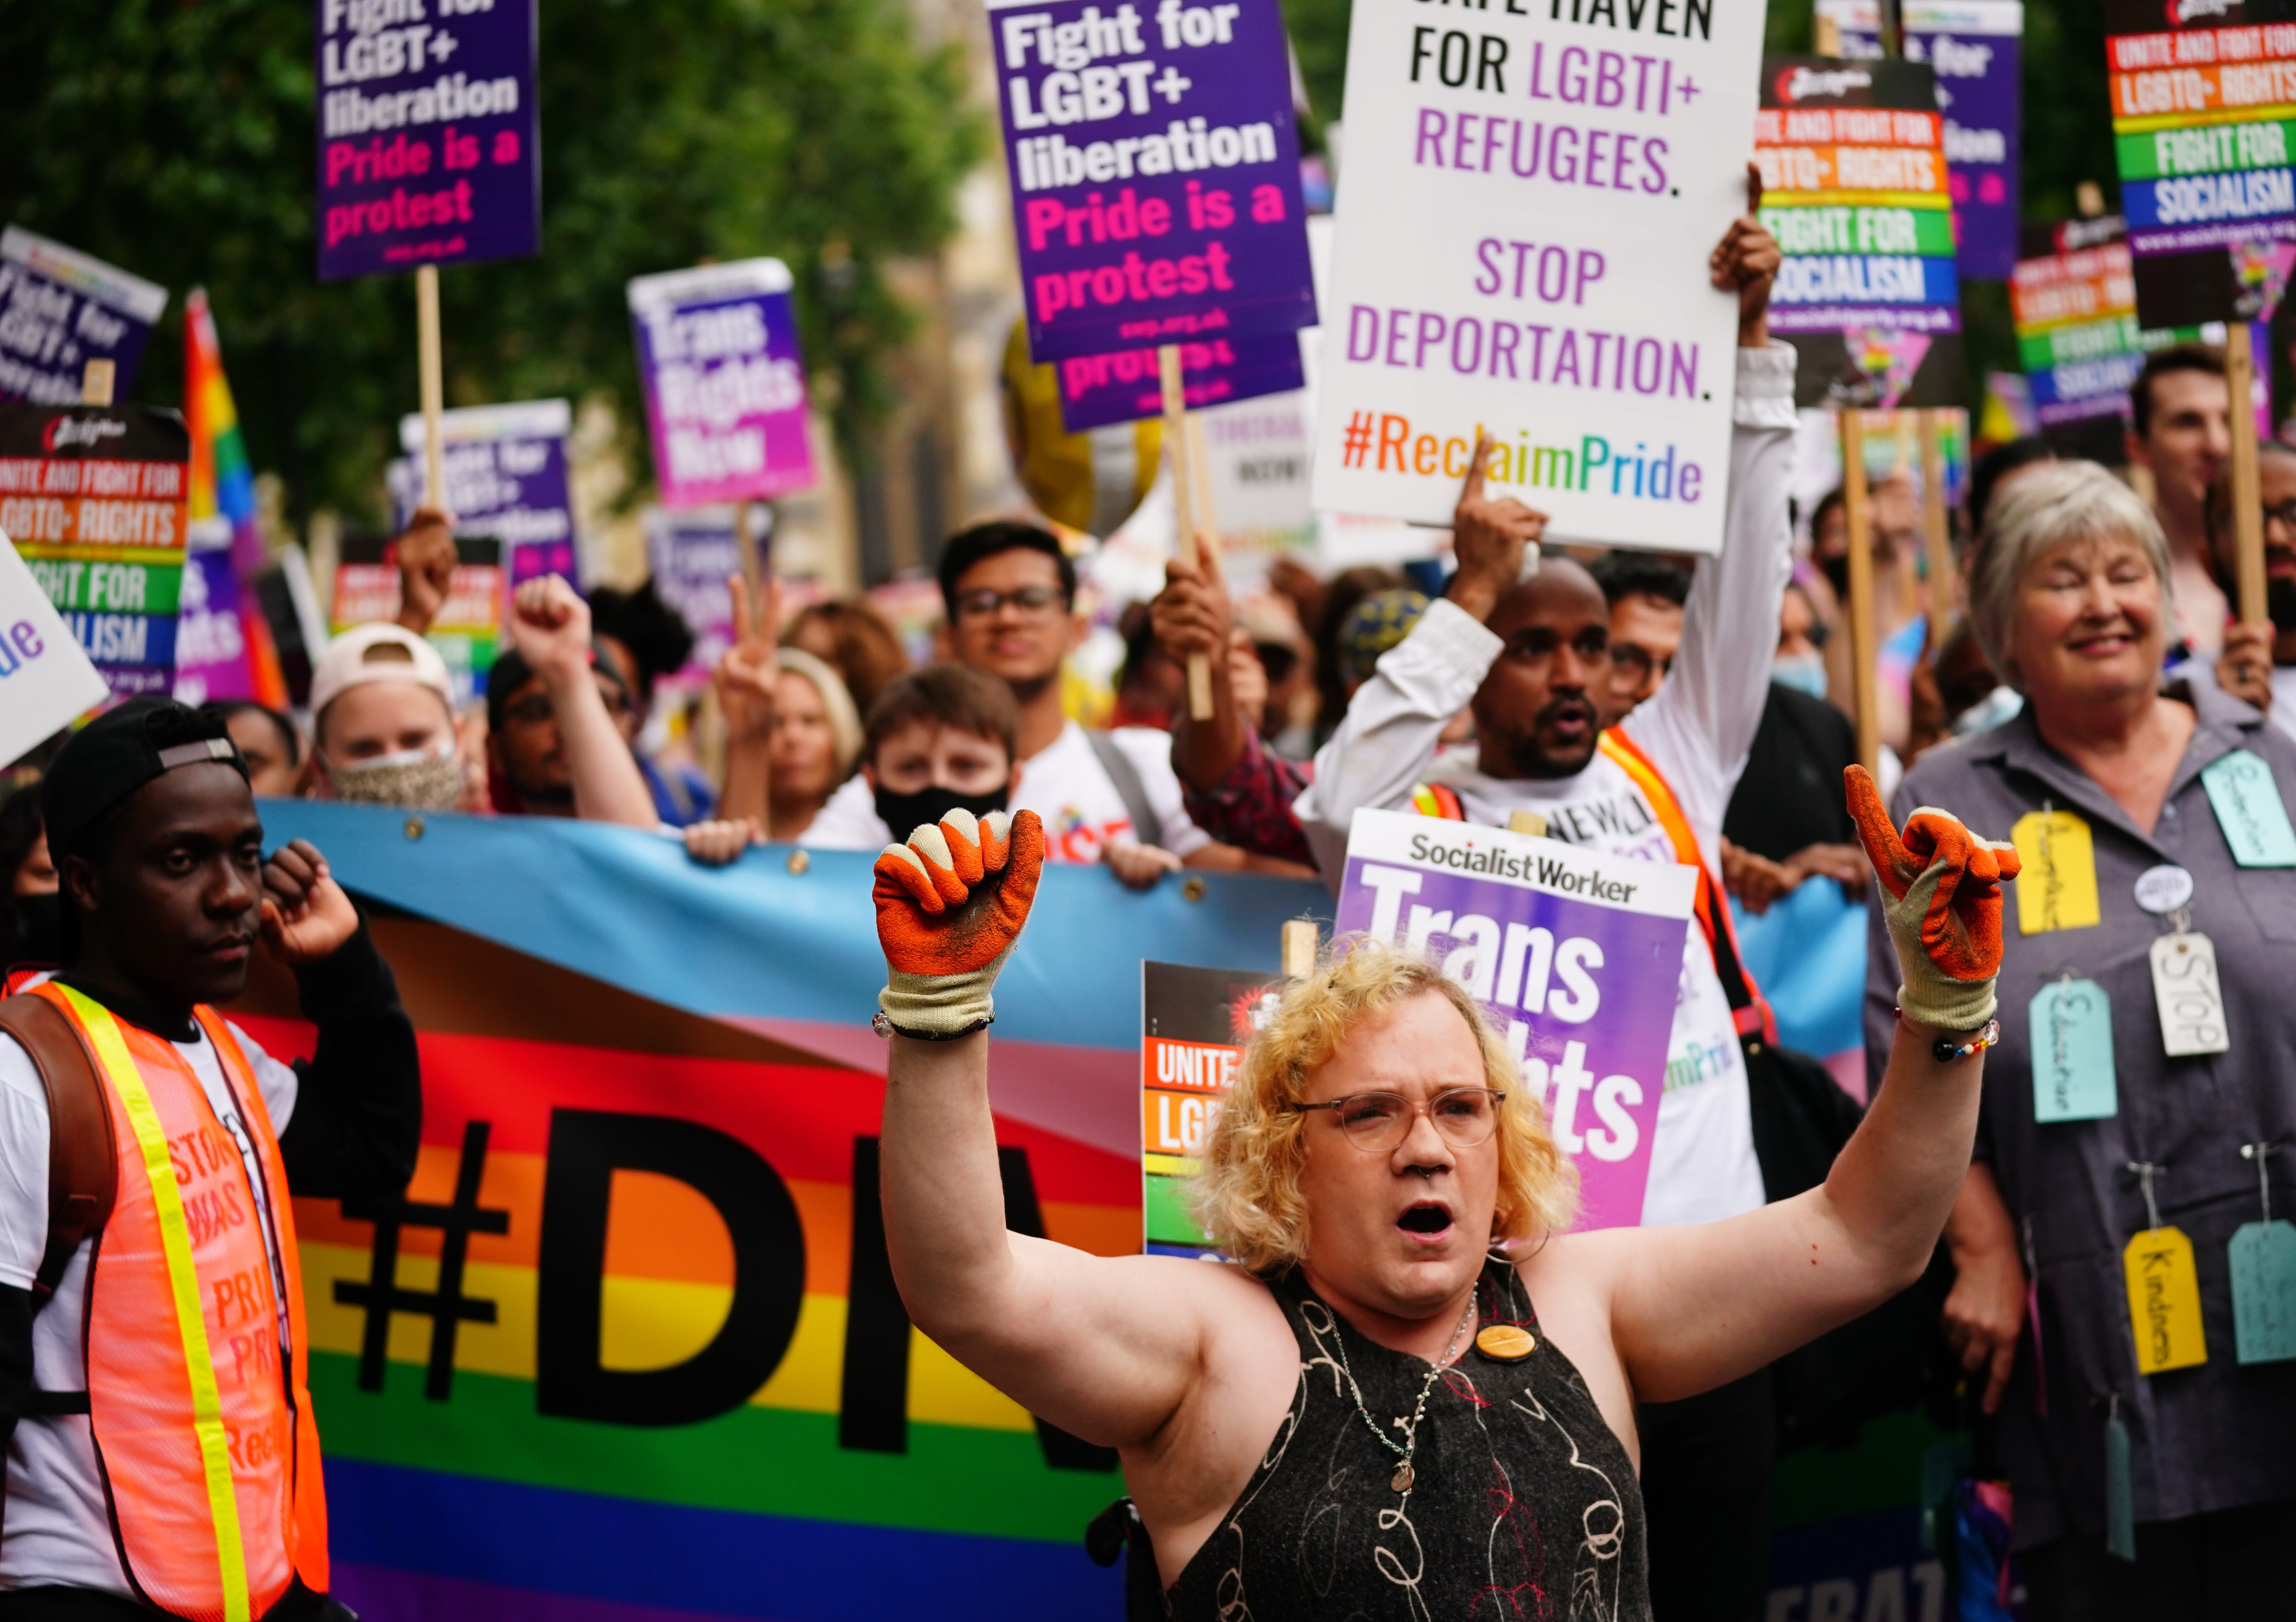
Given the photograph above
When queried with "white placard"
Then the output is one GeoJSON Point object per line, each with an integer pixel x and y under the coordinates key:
{"type": "Point", "coordinates": [1528, 194]}
{"type": "Point", "coordinates": [45, 680]}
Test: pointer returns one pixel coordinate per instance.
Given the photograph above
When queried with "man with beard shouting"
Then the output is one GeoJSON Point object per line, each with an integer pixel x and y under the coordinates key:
{"type": "Point", "coordinates": [1532, 657]}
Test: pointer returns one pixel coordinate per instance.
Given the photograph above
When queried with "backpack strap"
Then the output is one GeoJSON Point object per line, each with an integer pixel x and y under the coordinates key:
{"type": "Point", "coordinates": [1146, 825]}
{"type": "Point", "coordinates": [1749, 1009]}
{"type": "Point", "coordinates": [83, 1159]}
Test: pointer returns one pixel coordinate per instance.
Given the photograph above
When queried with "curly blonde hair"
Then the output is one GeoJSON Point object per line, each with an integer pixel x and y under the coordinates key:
{"type": "Point", "coordinates": [1247, 1196]}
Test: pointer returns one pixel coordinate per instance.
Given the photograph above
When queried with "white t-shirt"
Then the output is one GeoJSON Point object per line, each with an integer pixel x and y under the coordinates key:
{"type": "Point", "coordinates": [1696, 730]}
{"type": "Point", "coordinates": [1063, 783]}
{"type": "Point", "coordinates": [56, 1530]}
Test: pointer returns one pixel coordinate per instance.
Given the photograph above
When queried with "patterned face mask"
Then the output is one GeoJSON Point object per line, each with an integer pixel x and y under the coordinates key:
{"type": "Point", "coordinates": [412, 778]}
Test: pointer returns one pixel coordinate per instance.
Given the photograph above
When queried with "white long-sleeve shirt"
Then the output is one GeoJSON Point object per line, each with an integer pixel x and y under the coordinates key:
{"type": "Point", "coordinates": [1696, 730]}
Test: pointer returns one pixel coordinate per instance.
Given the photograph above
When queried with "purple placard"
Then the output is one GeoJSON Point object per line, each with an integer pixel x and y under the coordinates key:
{"type": "Point", "coordinates": [1098, 389]}
{"type": "Point", "coordinates": [1155, 172]}
{"type": "Point", "coordinates": [429, 133]}
{"type": "Point", "coordinates": [1577, 956]}
{"type": "Point", "coordinates": [1976, 48]}
{"type": "Point", "coordinates": [505, 468]}
{"type": "Point", "coordinates": [725, 382]}
{"type": "Point", "coordinates": [210, 635]}
{"type": "Point", "coordinates": [60, 308]}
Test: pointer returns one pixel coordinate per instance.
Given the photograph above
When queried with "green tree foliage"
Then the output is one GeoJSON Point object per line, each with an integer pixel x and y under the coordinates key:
{"type": "Point", "coordinates": [174, 139]}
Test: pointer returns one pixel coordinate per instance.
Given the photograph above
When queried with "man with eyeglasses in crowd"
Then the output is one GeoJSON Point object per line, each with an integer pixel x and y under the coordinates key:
{"type": "Point", "coordinates": [1646, 594]}
{"type": "Point", "coordinates": [1532, 657]}
{"type": "Point", "coordinates": [1010, 592]}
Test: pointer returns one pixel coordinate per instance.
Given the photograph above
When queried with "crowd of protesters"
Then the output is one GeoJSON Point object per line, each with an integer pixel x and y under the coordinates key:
{"type": "Point", "coordinates": [1645, 705]}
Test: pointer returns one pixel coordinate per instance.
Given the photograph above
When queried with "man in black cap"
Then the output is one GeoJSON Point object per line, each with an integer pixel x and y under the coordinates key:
{"type": "Point", "coordinates": [161, 1459]}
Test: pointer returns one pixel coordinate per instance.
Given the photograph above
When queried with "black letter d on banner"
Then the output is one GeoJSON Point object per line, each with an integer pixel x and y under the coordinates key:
{"type": "Point", "coordinates": [586, 1148]}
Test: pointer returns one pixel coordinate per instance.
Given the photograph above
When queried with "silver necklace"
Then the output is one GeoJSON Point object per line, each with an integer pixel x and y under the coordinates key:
{"type": "Point", "coordinates": [1402, 1480]}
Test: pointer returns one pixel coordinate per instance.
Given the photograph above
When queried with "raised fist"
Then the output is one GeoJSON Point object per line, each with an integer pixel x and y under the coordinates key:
{"type": "Point", "coordinates": [951, 903]}
{"type": "Point", "coordinates": [1941, 890]}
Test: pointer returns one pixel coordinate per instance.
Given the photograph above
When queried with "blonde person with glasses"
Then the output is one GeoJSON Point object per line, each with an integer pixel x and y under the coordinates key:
{"type": "Point", "coordinates": [1412, 1394]}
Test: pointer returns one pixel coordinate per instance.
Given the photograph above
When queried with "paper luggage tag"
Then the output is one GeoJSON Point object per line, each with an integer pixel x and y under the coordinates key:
{"type": "Point", "coordinates": [2057, 888]}
{"type": "Point", "coordinates": [2190, 997]}
{"type": "Point", "coordinates": [2264, 1291]}
{"type": "Point", "coordinates": [2249, 810]}
{"type": "Point", "coordinates": [2072, 1042]}
{"type": "Point", "coordinates": [2164, 1301]}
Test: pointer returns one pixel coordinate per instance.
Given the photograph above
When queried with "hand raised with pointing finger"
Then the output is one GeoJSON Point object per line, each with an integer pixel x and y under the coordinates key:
{"type": "Point", "coordinates": [1489, 538]}
{"type": "Point", "coordinates": [1941, 896]}
{"type": "Point", "coordinates": [951, 903]}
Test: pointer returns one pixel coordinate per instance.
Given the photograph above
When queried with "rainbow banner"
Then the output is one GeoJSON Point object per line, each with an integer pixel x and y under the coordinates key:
{"type": "Point", "coordinates": [223, 645]}
{"type": "Point", "coordinates": [629, 1349]}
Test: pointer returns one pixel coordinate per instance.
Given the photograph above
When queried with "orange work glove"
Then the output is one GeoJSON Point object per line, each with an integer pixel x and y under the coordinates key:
{"type": "Point", "coordinates": [1941, 897]}
{"type": "Point", "coordinates": [950, 904]}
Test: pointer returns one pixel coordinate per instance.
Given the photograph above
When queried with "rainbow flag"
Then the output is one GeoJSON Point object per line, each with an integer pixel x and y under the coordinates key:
{"type": "Point", "coordinates": [223, 645]}
{"type": "Point", "coordinates": [629, 1349]}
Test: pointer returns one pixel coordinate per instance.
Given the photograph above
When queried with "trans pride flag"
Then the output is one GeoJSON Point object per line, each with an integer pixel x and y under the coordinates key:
{"type": "Point", "coordinates": [223, 645]}
{"type": "Point", "coordinates": [629, 1349]}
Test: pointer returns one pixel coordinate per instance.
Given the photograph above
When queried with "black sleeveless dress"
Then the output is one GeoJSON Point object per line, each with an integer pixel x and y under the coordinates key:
{"type": "Point", "coordinates": [1523, 1502]}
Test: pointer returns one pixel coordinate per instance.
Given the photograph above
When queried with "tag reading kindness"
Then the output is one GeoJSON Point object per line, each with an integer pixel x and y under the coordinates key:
{"type": "Point", "coordinates": [2249, 810]}
{"type": "Point", "coordinates": [2057, 888]}
{"type": "Point", "coordinates": [2164, 1301]}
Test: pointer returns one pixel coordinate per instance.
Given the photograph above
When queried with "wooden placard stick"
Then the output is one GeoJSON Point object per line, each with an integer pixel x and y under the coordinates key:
{"type": "Point", "coordinates": [97, 381]}
{"type": "Point", "coordinates": [1938, 527]}
{"type": "Point", "coordinates": [1857, 508]}
{"type": "Point", "coordinates": [745, 548]}
{"type": "Point", "coordinates": [1299, 948]}
{"type": "Point", "coordinates": [2247, 493]}
{"type": "Point", "coordinates": [433, 384]}
{"type": "Point", "coordinates": [1184, 510]}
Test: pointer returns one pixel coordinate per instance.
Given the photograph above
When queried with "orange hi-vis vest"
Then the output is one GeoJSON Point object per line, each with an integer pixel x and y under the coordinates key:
{"type": "Point", "coordinates": [1749, 1008]}
{"type": "Point", "coordinates": [206, 1442]}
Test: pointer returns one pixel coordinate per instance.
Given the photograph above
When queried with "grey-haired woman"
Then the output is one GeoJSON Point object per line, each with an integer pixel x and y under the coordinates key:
{"type": "Point", "coordinates": [2151, 820]}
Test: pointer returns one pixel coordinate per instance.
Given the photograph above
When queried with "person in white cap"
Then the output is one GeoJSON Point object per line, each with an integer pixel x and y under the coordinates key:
{"type": "Point", "coordinates": [383, 722]}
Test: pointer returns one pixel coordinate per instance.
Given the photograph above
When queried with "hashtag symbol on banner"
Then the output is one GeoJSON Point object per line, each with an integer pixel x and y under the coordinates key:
{"type": "Point", "coordinates": [1357, 445]}
{"type": "Point", "coordinates": [446, 1306]}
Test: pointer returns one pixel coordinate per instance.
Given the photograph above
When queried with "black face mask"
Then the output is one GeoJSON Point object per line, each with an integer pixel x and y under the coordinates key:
{"type": "Point", "coordinates": [39, 924]}
{"type": "Point", "coordinates": [1836, 571]}
{"type": "Point", "coordinates": [2280, 602]}
{"type": "Point", "coordinates": [903, 813]}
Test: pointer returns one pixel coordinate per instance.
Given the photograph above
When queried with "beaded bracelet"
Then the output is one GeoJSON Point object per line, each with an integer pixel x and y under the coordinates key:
{"type": "Point", "coordinates": [882, 1024]}
{"type": "Point", "coordinates": [1946, 1050]}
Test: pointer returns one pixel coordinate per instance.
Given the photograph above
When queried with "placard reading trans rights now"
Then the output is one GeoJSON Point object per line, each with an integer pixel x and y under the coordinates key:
{"type": "Point", "coordinates": [1577, 958]}
{"type": "Point", "coordinates": [1530, 191]}
{"type": "Point", "coordinates": [1155, 172]}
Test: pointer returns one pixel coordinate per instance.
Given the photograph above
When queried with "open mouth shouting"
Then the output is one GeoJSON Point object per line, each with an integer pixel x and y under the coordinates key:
{"type": "Point", "coordinates": [1426, 1219]}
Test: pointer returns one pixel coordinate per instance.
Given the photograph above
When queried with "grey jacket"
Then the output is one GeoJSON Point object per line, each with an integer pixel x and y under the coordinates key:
{"type": "Point", "coordinates": [2220, 1436]}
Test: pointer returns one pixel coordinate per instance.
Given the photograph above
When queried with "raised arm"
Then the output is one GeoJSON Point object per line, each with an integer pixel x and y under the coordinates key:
{"type": "Point", "coordinates": [1711, 704]}
{"type": "Point", "coordinates": [1103, 1347]}
{"type": "Point", "coordinates": [746, 680]}
{"type": "Point", "coordinates": [1193, 615]}
{"type": "Point", "coordinates": [1395, 720]}
{"type": "Point", "coordinates": [1690, 1308]}
{"type": "Point", "coordinates": [550, 625]}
